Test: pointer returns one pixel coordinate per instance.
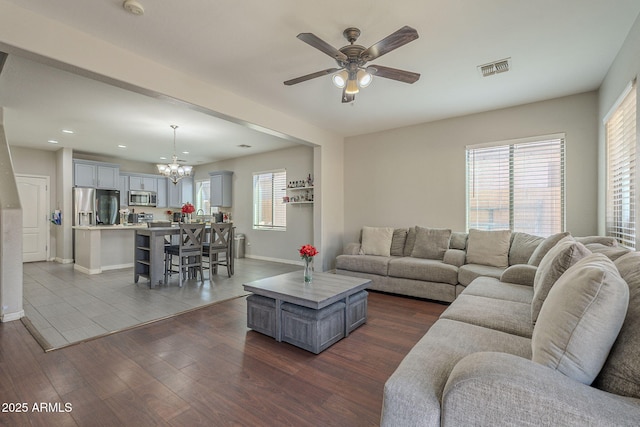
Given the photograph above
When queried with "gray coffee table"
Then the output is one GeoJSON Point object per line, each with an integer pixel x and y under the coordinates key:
{"type": "Point", "coordinates": [311, 316]}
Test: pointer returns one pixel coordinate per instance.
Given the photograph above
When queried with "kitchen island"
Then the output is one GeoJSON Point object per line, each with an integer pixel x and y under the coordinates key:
{"type": "Point", "coordinates": [104, 247]}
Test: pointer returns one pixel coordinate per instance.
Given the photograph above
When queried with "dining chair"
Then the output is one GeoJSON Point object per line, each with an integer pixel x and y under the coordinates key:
{"type": "Point", "coordinates": [189, 253]}
{"type": "Point", "coordinates": [220, 242]}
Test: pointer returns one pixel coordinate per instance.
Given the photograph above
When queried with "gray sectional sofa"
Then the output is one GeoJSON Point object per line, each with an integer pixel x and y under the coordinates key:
{"type": "Point", "coordinates": [438, 264]}
{"type": "Point", "coordinates": [561, 349]}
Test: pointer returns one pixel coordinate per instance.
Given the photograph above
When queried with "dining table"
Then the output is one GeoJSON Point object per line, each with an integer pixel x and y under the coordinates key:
{"type": "Point", "coordinates": [149, 256]}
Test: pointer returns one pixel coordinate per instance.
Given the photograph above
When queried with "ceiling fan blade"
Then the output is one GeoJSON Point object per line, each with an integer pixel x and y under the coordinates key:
{"type": "Point", "coordinates": [321, 45]}
{"type": "Point", "coordinates": [393, 73]}
{"type": "Point", "coordinates": [393, 41]}
{"type": "Point", "coordinates": [311, 76]}
{"type": "Point", "coordinates": [347, 97]}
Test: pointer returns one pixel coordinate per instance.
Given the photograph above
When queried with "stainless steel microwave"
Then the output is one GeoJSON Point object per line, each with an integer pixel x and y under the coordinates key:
{"type": "Point", "coordinates": [142, 198]}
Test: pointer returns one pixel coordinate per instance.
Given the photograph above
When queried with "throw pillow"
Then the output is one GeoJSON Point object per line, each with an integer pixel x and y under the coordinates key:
{"type": "Point", "coordinates": [581, 319]}
{"type": "Point", "coordinates": [377, 240]}
{"type": "Point", "coordinates": [458, 240]}
{"type": "Point", "coordinates": [431, 243]}
{"type": "Point", "coordinates": [488, 247]}
{"type": "Point", "coordinates": [522, 246]}
{"type": "Point", "coordinates": [621, 372]}
{"type": "Point", "coordinates": [544, 247]}
{"type": "Point", "coordinates": [398, 241]}
{"type": "Point", "coordinates": [411, 240]}
{"type": "Point", "coordinates": [558, 260]}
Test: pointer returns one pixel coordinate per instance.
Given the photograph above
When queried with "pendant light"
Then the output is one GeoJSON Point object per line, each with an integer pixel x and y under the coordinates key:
{"type": "Point", "coordinates": [174, 171]}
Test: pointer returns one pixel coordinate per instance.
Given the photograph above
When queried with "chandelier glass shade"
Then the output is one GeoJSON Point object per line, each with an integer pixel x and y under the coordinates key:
{"type": "Point", "coordinates": [174, 171]}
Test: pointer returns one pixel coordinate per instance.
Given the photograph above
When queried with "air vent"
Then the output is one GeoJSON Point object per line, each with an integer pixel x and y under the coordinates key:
{"type": "Point", "coordinates": [244, 146]}
{"type": "Point", "coordinates": [496, 67]}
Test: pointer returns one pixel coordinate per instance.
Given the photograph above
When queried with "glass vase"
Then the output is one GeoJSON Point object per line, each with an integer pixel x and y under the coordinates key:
{"type": "Point", "coordinates": [308, 270]}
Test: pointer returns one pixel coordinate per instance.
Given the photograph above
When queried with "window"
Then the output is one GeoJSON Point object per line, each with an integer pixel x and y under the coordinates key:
{"type": "Point", "coordinates": [269, 210]}
{"type": "Point", "coordinates": [203, 201]}
{"type": "Point", "coordinates": [621, 142]}
{"type": "Point", "coordinates": [517, 185]}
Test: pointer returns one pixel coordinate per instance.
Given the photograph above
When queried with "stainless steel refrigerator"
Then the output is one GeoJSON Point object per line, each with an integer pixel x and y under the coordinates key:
{"type": "Point", "coordinates": [84, 206]}
{"type": "Point", "coordinates": [107, 207]}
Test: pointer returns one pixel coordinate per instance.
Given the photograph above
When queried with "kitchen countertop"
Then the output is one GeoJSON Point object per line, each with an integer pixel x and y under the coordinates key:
{"type": "Point", "coordinates": [110, 227]}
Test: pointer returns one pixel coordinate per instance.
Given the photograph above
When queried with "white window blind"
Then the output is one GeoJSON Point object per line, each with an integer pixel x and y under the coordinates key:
{"type": "Point", "coordinates": [621, 141]}
{"type": "Point", "coordinates": [517, 185]}
{"type": "Point", "coordinates": [269, 210]}
{"type": "Point", "coordinates": [203, 201]}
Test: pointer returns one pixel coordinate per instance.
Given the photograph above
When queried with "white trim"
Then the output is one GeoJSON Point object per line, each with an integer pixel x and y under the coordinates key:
{"type": "Point", "coordinates": [538, 138]}
{"type": "Point", "coordinates": [63, 260]}
{"type": "Point", "coordinates": [10, 317]}
{"type": "Point", "coordinates": [117, 266]}
{"type": "Point", "coordinates": [283, 261]}
{"type": "Point", "coordinates": [86, 270]}
{"type": "Point", "coordinates": [619, 101]}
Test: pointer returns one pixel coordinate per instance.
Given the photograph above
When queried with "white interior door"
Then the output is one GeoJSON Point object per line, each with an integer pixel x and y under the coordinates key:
{"type": "Point", "coordinates": [34, 198]}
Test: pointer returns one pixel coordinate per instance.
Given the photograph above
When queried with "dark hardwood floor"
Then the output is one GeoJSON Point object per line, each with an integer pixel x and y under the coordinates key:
{"type": "Point", "coordinates": [206, 368]}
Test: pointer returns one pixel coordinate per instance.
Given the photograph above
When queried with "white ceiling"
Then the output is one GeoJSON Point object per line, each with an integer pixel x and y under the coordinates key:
{"type": "Point", "coordinates": [557, 48]}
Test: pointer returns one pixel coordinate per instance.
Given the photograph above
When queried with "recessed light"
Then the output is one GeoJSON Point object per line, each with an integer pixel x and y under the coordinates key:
{"type": "Point", "coordinates": [67, 131]}
{"type": "Point", "coordinates": [163, 158]}
{"type": "Point", "coordinates": [52, 141]}
{"type": "Point", "coordinates": [185, 152]}
{"type": "Point", "coordinates": [122, 146]}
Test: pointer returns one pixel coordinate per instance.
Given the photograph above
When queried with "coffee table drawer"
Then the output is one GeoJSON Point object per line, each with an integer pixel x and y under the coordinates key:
{"type": "Point", "coordinates": [357, 310]}
{"type": "Point", "coordinates": [261, 314]}
{"type": "Point", "coordinates": [313, 330]}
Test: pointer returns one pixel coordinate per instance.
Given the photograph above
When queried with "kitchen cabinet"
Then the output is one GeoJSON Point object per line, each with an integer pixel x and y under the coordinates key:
{"type": "Point", "coordinates": [220, 190]}
{"type": "Point", "coordinates": [96, 174]}
{"type": "Point", "coordinates": [143, 183]}
{"type": "Point", "coordinates": [180, 193]}
{"type": "Point", "coordinates": [124, 190]}
{"type": "Point", "coordinates": [162, 200]}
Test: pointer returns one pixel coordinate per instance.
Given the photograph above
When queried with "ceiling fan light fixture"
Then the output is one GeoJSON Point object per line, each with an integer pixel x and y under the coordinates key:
{"type": "Point", "coordinates": [352, 87]}
{"type": "Point", "coordinates": [340, 78]}
{"type": "Point", "coordinates": [364, 78]}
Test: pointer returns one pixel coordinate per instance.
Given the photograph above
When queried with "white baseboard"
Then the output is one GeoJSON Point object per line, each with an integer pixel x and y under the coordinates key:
{"type": "Point", "coordinates": [63, 260]}
{"type": "Point", "coordinates": [284, 261]}
{"type": "Point", "coordinates": [116, 267]}
{"type": "Point", "coordinates": [85, 270]}
{"type": "Point", "coordinates": [9, 317]}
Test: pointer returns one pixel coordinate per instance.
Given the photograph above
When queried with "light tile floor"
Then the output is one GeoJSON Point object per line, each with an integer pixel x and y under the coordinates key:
{"type": "Point", "coordinates": [66, 306]}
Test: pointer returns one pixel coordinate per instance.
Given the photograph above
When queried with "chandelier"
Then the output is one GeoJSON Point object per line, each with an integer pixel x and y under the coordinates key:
{"type": "Point", "coordinates": [174, 171]}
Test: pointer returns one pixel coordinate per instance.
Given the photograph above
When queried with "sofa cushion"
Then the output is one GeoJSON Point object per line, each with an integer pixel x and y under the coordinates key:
{"type": "Point", "coordinates": [468, 272]}
{"type": "Point", "coordinates": [398, 241]}
{"type": "Point", "coordinates": [558, 260]}
{"type": "Point", "coordinates": [413, 393]}
{"type": "Point", "coordinates": [423, 269]}
{"type": "Point", "coordinates": [603, 240]}
{"type": "Point", "coordinates": [377, 240]}
{"type": "Point", "coordinates": [410, 242]}
{"type": "Point", "coordinates": [522, 274]}
{"type": "Point", "coordinates": [511, 317]}
{"type": "Point", "coordinates": [490, 287]}
{"type": "Point", "coordinates": [581, 318]}
{"type": "Point", "coordinates": [373, 264]}
{"type": "Point", "coordinates": [458, 240]}
{"type": "Point", "coordinates": [489, 247]}
{"type": "Point", "coordinates": [544, 247]}
{"type": "Point", "coordinates": [431, 243]}
{"type": "Point", "coordinates": [612, 252]}
{"type": "Point", "coordinates": [522, 247]}
{"type": "Point", "coordinates": [621, 372]}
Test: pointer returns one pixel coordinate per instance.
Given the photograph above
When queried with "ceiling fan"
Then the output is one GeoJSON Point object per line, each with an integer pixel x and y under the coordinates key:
{"type": "Point", "coordinates": [352, 73]}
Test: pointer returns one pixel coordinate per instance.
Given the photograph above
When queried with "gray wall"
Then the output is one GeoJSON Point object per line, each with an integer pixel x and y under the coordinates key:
{"type": "Point", "coordinates": [416, 175]}
{"type": "Point", "coordinates": [263, 244]}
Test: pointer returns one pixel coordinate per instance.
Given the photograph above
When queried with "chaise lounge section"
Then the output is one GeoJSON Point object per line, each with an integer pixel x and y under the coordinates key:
{"type": "Point", "coordinates": [563, 350]}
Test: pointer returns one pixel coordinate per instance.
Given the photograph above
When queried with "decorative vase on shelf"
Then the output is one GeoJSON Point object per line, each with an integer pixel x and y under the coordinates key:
{"type": "Point", "coordinates": [308, 270]}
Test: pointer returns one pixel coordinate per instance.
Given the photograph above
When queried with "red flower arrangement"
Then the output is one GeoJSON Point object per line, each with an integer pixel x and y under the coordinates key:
{"type": "Point", "coordinates": [188, 208]}
{"type": "Point", "coordinates": [307, 252]}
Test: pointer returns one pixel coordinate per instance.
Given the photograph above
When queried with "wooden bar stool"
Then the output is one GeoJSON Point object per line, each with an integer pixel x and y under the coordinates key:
{"type": "Point", "coordinates": [188, 251]}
